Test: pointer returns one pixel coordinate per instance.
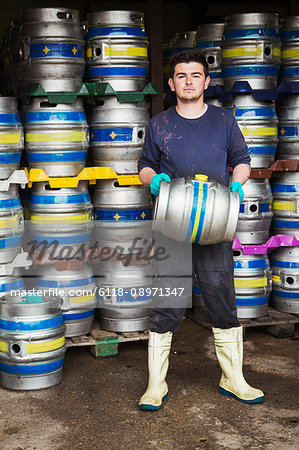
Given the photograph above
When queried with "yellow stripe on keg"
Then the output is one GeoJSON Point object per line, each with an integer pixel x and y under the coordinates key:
{"type": "Point", "coordinates": [259, 131]}
{"type": "Point", "coordinates": [79, 218]}
{"type": "Point", "coordinates": [55, 136]}
{"type": "Point", "coordinates": [284, 206]}
{"type": "Point", "coordinates": [276, 278]}
{"type": "Point", "coordinates": [89, 52]}
{"type": "Point", "coordinates": [292, 53]}
{"type": "Point", "coordinates": [129, 51]}
{"type": "Point", "coordinates": [10, 138]}
{"type": "Point", "coordinates": [257, 282]}
{"type": "Point", "coordinates": [10, 222]}
{"type": "Point", "coordinates": [247, 51]}
{"type": "Point", "coordinates": [276, 51]}
{"type": "Point", "coordinates": [82, 299]}
{"type": "Point", "coordinates": [38, 347]}
{"type": "Point", "coordinates": [198, 210]}
{"type": "Point", "coordinates": [3, 346]}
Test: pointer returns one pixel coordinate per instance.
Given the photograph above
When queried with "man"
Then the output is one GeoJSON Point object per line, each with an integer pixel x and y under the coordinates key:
{"type": "Point", "coordinates": [185, 140]}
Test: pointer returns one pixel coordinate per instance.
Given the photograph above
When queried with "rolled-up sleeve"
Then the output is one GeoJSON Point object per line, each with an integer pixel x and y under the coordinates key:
{"type": "Point", "coordinates": [238, 151]}
{"type": "Point", "coordinates": [150, 155]}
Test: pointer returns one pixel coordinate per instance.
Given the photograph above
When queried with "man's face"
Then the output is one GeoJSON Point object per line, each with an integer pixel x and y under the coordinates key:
{"type": "Point", "coordinates": [189, 81]}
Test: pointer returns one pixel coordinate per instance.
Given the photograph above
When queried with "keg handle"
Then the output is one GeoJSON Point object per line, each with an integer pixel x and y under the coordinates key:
{"type": "Point", "coordinates": [97, 52]}
{"type": "Point", "coordinates": [65, 15]}
{"type": "Point", "coordinates": [137, 18]}
{"type": "Point", "coordinates": [24, 49]}
{"type": "Point", "coordinates": [268, 275]}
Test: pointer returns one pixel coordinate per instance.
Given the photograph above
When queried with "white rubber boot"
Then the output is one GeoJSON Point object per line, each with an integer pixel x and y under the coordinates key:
{"type": "Point", "coordinates": [158, 355]}
{"type": "Point", "coordinates": [229, 351]}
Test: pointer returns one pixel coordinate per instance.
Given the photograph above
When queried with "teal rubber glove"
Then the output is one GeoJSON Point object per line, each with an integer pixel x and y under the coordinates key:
{"type": "Point", "coordinates": [155, 184]}
{"type": "Point", "coordinates": [236, 187]}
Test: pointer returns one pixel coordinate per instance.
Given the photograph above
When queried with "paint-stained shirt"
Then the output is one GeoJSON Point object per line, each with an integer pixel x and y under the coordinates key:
{"type": "Point", "coordinates": [184, 147]}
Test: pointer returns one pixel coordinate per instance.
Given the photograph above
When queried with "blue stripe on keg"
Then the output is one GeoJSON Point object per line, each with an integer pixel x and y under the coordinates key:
{"type": "Point", "coordinates": [262, 150]}
{"type": "Point", "coordinates": [244, 71]}
{"type": "Point", "coordinates": [59, 199]}
{"type": "Point", "coordinates": [55, 116]}
{"type": "Point", "coordinates": [31, 369]}
{"type": "Point", "coordinates": [56, 156]}
{"type": "Point", "coordinates": [251, 33]}
{"type": "Point", "coordinates": [123, 215]}
{"type": "Point", "coordinates": [258, 264]}
{"type": "Point", "coordinates": [56, 49]}
{"type": "Point", "coordinates": [202, 211]}
{"type": "Point", "coordinates": [111, 134]}
{"type": "Point", "coordinates": [9, 118]}
{"type": "Point", "coordinates": [133, 71]}
{"type": "Point", "coordinates": [10, 158]}
{"type": "Point", "coordinates": [64, 283]}
{"type": "Point", "coordinates": [215, 74]}
{"type": "Point", "coordinates": [286, 294]}
{"type": "Point", "coordinates": [116, 31]}
{"type": "Point", "coordinates": [264, 207]}
{"type": "Point", "coordinates": [251, 301]}
{"type": "Point", "coordinates": [193, 212]}
{"type": "Point", "coordinates": [207, 44]}
{"type": "Point", "coordinates": [288, 224]}
{"type": "Point", "coordinates": [32, 325]}
{"type": "Point", "coordinates": [253, 112]}
{"type": "Point", "coordinates": [13, 286]}
{"type": "Point", "coordinates": [63, 240]}
{"type": "Point", "coordinates": [10, 203]}
{"type": "Point", "coordinates": [78, 316]}
{"type": "Point", "coordinates": [286, 72]}
{"type": "Point", "coordinates": [290, 34]}
{"type": "Point", "coordinates": [287, 131]}
{"type": "Point", "coordinates": [276, 187]}
{"type": "Point", "coordinates": [284, 264]}
{"type": "Point", "coordinates": [196, 290]}
{"type": "Point", "coordinates": [129, 296]}
{"type": "Point", "coordinates": [10, 242]}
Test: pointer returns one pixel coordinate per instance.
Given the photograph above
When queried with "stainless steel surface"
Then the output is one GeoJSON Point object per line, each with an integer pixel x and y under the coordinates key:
{"type": "Point", "coordinates": [183, 40]}
{"type": "Point", "coordinates": [289, 70]}
{"type": "Point", "coordinates": [217, 211]}
{"type": "Point", "coordinates": [117, 133]}
{"type": "Point", "coordinates": [286, 203]}
{"type": "Point", "coordinates": [208, 38]}
{"type": "Point", "coordinates": [288, 115]}
{"type": "Point", "coordinates": [255, 212]}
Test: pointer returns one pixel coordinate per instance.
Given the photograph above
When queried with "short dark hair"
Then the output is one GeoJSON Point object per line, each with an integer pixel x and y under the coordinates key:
{"type": "Point", "coordinates": [186, 56]}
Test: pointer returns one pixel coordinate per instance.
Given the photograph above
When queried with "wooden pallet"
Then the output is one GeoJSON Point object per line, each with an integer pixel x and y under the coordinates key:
{"type": "Point", "coordinates": [277, 323]}
{"type": "Point", "coordinates": [103, 343]}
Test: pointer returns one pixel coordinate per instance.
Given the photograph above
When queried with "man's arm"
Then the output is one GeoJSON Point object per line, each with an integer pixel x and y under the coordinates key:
{"type": "Point", "coordinates": [145, 176]}
{"type": "Point", "coordinates": [241, 173]}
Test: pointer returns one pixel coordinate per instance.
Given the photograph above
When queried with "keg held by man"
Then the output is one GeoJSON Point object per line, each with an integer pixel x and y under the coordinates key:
{"type": "Point", "coordinates": [185, 140]}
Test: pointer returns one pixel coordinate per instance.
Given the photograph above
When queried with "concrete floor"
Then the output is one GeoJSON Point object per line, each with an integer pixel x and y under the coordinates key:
{"type": "Point", "coordinates": [95, 407]}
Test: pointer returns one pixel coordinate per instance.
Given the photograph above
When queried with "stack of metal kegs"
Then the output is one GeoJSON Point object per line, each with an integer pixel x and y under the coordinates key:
{"type": "Point", "coordinates": [285, 185]}
{"type": "Point", "coordinates": [117, 53]}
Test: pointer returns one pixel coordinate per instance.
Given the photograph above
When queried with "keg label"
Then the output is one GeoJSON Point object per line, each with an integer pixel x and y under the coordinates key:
{"type": "Point", "coordinates": [289, 224]}
{"type": "Point", "coordinates": [14, 285]}
{"type": "Point", "coordinates": [246, 71]}
{"type": "Point", "coordinates": [68, 240]}
{"type": "Point", "coordinates": [290, 34]}
{"type": "Point", "coordinates": [31, 325]}
{"type": "Point", "coordinates": [75, 219]}
{"type": "Point", "coordinates": [123, 215]}
{"type": "Point", "coordinates": [71, 116]}
{"type": "Point", "coordinates": [250, 50]}
{"type": "Point", "coordinates": [251, 33]}
{"type": "Point", "coordinates": [258, 131]}
{"type": "Point", "coordinates": [56, 50]}
{"type": "Point", "coordinates": [78, 316]}
{"type": "Point", "coordinates": [59, 200]}
{"type": "Point", "coordinates": [262, 150]}
{"type": "Point", "coordinates": [10, 138]}
{"type": "Point", "coordinates": [40, 347]}
{"type": "Point", "coordinates": [286, 72]}
{"type": "Point", "coordinates": [65, 283]}
{"type": "Point", "coordinates": [276, 187]}
{"type": "Point", "coordinates": [31, 369]}
{"type": "Point", "coordinates": [263, 207]}
{"type": "Point", "coordinates": [10, 241]}
{"type": "Point", "coordinates": [251, 301]}
{"type": "Point", "coordinates": [3, 346]}
{"type": "Point", "coordinates": [10, 158]}
{"type": "Point", "coordinates": [200, 194]}
{"type": "Point", "coordinates": [122, 50]}
{"type": "Point", "coordinates": [116, 31]}
{"type": "Point", "coordinates": [253, 112]}
{"type": "Point", "coordinates": [284, 264]}
{"type": "Point", "coordinates": [288, 131]}
{"type": "Point", "coordinates": [130, 71]}
{"type": "Point", "coordinates": [292, 53]}
{"type": "Point", "coordinates": [10, 203]}
{"type": "Point", "coordinates": [258, 264]}
{"type": "Point", "coordinates": [9, 222]}
{"type": "Point", "coordinates": [111, 134]}
{"type": "Point", "coordinates": [56, 136]}
{"type": "Point", "coordinates": [257, 282]}
{"type": "Point", "coordinates": [82, 299]}
{"type": "Point", "coordinates": [207, 44]}
{"type": "Point", "coordinates": [55, 156]}
{"type": "Point", "coordinates": [285, 294]}
{"type": "Point", "coordinates": [9, 118]}
{"type": "Point", "coordinates": [284, 206]}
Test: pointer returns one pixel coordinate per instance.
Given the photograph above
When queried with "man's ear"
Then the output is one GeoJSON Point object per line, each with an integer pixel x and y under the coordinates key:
{"type": "Point", "coordinates": [207, 82]}
{"type": "Point", "coordinates": [171, 84]}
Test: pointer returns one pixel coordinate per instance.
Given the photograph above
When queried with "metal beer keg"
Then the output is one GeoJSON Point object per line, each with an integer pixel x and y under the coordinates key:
{"type": "Point", "coordinates": [288, 129]}
{"type": "Point", "coordinates": [285, 269]}
{"type": "Point", "coordinates": [52, 49]}
{"type": "Point", "coordinates": [183, 41]}
{"type": "Point", "coordinates": [252, 278]}
{"type": "Point", "coordinates": [196, 210]}
{"type": "Point", "coordinates": [11, 137]}
{"type": "Point", "coordinates": [117, 133]}
{"type": "Point", "coordinates": [258, 123]}
{"type": "Point", "coordinates": [123, 217]}
{"type": "Point", "coordinates": [32, 344]}
{"type": "Point", "coordinates": [11, 224]}
{"type": "Point", "coordinates": [285, 189]}
{"type": "Point", "coordinates": [56, 136]}
{"type": "Point", "coordinates": [10, 283]}
{"type": "Point", "coordinates": [61, 220]}
{"type": "Point", "coordinates": [289, 70]}
{"type": "Point", "coordinates": [208, 39]}
{"type": "Point", "coordinates": [251, 50]}
{"type": "Point", "coordinates": [77, 289]}
{"type": "Point", "coordinates": [124, 295]}
{"type": "Point", "coordinates": [117, 49]}
{"type": "Point", "coordinates": [255, 212]}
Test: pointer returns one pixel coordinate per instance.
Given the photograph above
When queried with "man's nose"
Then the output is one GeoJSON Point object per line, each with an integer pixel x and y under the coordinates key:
{"type": "Point", "coordinates": [189, 80]}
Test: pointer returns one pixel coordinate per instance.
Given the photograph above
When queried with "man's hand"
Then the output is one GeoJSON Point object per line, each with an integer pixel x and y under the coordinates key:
{"type": "Point", "coordinates": [155, 183]}
{"type": "Point", "coordinates": [236, 187]}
